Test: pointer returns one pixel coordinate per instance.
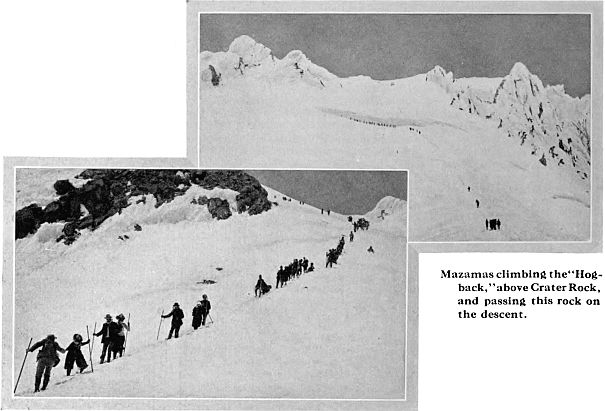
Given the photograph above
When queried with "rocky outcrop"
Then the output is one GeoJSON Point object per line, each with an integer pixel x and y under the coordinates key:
{"type": "Point", "coordinates": [538, 116]}
{"type": "Point", "coordinates": [217, 207]}
{"type": "Point", "coordinates": [28, 220]}
{"type": "Point", "coordinates": [108, 191]}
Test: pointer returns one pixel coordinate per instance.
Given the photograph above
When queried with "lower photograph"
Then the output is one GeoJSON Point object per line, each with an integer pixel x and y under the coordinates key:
{"type": "Point", "coordinates": [210, 284]}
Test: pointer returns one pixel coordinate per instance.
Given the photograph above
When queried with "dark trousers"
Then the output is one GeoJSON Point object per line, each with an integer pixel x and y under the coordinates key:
{"type": "Point", "coordinates": [76, 357]}
{"type": "Point", "coordinates": [118, 346]}
{"type": "Point", "coordinates": [45, 366]}
{"type": "Point", "coordinates": [204, 315]}
{"type": "Point", "coordinates": [107, 348]}
{"type": "Point", "coordinates": [175, 328]}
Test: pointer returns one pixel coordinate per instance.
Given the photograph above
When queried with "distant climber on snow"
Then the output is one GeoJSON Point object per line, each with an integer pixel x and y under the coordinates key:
{"type": "Point", "coordinates": [261, 287]}
{"type": "Point", "coordinates": [177, 320]}
{"type": "Point", "coordinates": [477, 202]}
{"type": "Point", "coordinates": [197, 316]}
{"type": "Point", "coordinates": [205, 308]}
{"type": "Point", "coordinates": [371, 250]}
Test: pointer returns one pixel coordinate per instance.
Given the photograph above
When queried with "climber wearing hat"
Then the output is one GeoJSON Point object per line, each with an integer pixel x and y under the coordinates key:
{"type": "Point", "coordinates": [47, 358]}
{"type": "Point", "coordinates": [109, 331]}
{"type": "Point", "coordinates": [118, 347]}
{"type": "Point", "coordinates": [75, 355]}
{"type": "Point", "coordinates": [177, 320]}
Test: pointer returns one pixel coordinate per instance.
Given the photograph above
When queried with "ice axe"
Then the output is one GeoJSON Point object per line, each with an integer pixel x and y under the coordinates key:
{"type": "Point", "coordinates": [160, 326]}
{"type": "Point", "coordinates": [22, 365]}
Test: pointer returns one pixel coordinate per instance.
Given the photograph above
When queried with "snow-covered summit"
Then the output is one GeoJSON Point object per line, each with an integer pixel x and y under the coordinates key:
{"type": "Point", "coordinates": [388, 206]}
{"type": "Point", "coordinates": [249, 50]}
{"type": "Point", "coordinates": [522, 145]}
{"type": "Point", "coordinates": [439, 76]}
{"type": "Point", "coordinates": [248, 58]}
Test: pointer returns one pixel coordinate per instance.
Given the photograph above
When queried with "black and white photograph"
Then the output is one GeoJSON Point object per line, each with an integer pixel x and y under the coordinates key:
{"type": "Point", "coordinates": [190, 283]}
{"type": "Point", "coordinates": [302, 205]}
{"type": "Point", "coordinates": [491, 113]}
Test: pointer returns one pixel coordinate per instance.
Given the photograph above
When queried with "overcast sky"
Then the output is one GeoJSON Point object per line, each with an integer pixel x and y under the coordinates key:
{"type": "Point", "coordinates": [346, 192]}
{"type": "Point", "coordinates": [555, 47]}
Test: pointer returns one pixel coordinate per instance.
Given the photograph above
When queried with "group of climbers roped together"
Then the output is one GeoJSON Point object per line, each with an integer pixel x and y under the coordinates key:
{"type": "Point", "coordinates": [333, 254]}
{"type": "Point", "coordinates": [199, 313]}
{"type": "Point", "coordinates": [113, 340]}
{"type": "Point", "coordinates": [373, 123]}
{"type": "Point", "coordinates": [491, 224]}
{"type": "Point", "coordinates": [284, 274]}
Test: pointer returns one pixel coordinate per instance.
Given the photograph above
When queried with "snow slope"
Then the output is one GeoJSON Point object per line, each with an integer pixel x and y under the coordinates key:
{"type": "Point", "coordinates": [333, 333]}
{"type": "Point", "coordinates": [532, 171]}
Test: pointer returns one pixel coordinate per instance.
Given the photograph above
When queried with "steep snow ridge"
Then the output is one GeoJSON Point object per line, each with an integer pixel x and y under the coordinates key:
{"type": "Point", "coordinates": [438, 76]}
{"type": "Point", "coordinates": [544, 119]}
{"type": "Point", "coordinates": [389, 212]}
{"type": "Point", "coordinates": [179, 211]}
{"type": "Point", "coordinates": [247, 58]}
{"type": "Point", "coordinates": [388, 206]}
{"type": "Point", "coordinates": [250, 51]}
{"type": "Point", "coordinates": [447, 141]}
{"type": "Point", "coordinates": [167, 262]}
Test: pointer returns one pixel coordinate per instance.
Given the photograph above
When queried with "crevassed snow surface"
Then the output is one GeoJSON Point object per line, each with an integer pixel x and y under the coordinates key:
{"type": "Point", "coordinates": [264, 116]}
{"type": "Point", "coordinates": [333, 333]}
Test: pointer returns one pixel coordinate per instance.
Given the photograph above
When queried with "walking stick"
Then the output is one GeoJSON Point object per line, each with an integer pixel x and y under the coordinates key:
{"type": "Point", "coordinates": [161, 318]}
{"type": "Point", "coordinates": [90, 348]}
{"type": "Point", "coordinates": [22, 365]}
{"type": "Point", "coordinates": [209, 316]}
{"type": "Point", "coordinates": [127, 332]}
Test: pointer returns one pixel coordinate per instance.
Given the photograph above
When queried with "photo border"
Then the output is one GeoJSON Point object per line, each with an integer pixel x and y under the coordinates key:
{"type": "Point", "coordinates": [9, 400]}
{"type": "Point", "coordinates": [595, 9]}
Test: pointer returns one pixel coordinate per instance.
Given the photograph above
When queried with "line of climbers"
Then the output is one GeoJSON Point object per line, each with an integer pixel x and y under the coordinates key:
{"type": "Point", "coordinates": [360, 224]}
{"type": "Point", "coordinates": [113, 340]}
{"type": "Point", "coordinates": [372, 123]}
{"type": "Point", "coordinates": [491, 224]}
{"type": "Point", "coordinates": [333, 254]}
{"type": "Point", "coordinates": [284, 274]}
{"type": "Point", "coordinates": [199, 313]}
{"type": "Point", "coordinates": [113, 335]}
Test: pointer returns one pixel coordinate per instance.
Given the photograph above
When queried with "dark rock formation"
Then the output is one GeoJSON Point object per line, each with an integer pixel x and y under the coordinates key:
{"type": "Point", "coordinates": [28, 220]}
{"type": "Point", "coordinates": [63, 187]}
{"type": "Point", "coordinates": [108, 191]}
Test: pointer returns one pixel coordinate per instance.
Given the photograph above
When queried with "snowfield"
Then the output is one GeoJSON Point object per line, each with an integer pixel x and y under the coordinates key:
{"type": "Point", "coordinates": [335, 333]}
{"type": "Point", "coordinates": [513, 141]}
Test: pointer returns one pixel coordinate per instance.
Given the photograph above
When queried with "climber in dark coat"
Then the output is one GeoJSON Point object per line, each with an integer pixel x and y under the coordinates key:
{"type": "Point", "coordinates": [261, 287]}
{"type": "Point", "coordinates": [197, 315]}
{"type": "Point", "coordinates": [47, 358]}
{"type": "Point", "coordinates": [109, 331]}
{"type": "Point", "coordinates": [177, 320]}
{"type": "Point", "coordinates": [120, 340]}
{"type": "Point", "coordinates": [205, 308]}
{"type": "Point", "coordinates": [280, 275]}
{"type": "Point", "coordinates": [74, 354]}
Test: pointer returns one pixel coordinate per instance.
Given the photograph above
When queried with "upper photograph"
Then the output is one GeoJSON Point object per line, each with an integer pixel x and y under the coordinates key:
{"type": "Point", "coordinates": [490, 113]}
